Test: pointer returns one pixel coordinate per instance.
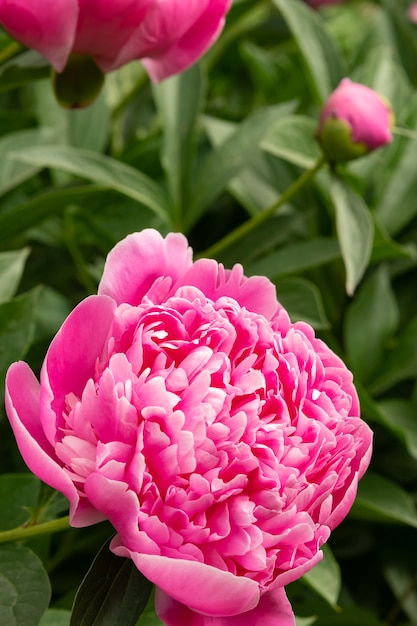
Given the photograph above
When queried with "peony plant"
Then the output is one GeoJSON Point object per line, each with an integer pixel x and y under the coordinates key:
{"type": "Point", "coordinates": [168, 35]}
{"type": "Point", "coordinates": [354, 121]}
{"type": "Point", "coordinates": [221, 440]}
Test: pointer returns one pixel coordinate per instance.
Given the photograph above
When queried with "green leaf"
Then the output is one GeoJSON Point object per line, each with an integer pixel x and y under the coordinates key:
{"type": "Point", "coordinates": [295, 257]}
{"type": "Point", "coordinates": [371, 319]}
{"type": "Point", "coordinates": [325, 578]}
{"type": "Point", "coordinates": [23, 68]}
{"type": "Point", "coordinates": [11, 269]}
{"type": "Point", "coordinates": [320, 53]}
{"type": "Point", "coordinates": [13, 172]}
{"type": "Point", "coordinates": [303, 301]}
{"type": "Point", "coordinates": [19, 218]}
{"type": "Point", "coordinates": [17, 324]}
{"type": "Point", "coordinates": [19, 494]}
{"type": "Point", "coordinates": [292, 138]}
{"type": "Point", "coordinates": [400, 416]}
{"type": "Point", "coordinates": [401, 362]}
{"type": "Point", "coordinates": [24, 586]}
{"type": "Point", "coordinates": [100, 169]}
{"type": "Point", "coordinates": [349, 616]}
{"type": "Point", "coordinates": [56, 617]}
{"type": "Point", "coordinates": [179, 100]}
{"type": "Point", "coordinates": [382, 500]}
{"type": "Point", "coordinates": [224, 163]}
{"type": "Point", "coordinates": [113, 593]}
{"type": "Point", "coordinates": [355, 231]}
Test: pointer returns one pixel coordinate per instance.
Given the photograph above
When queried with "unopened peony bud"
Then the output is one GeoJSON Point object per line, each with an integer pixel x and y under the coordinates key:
{"type": "Point", "coordinates": [355, 120]}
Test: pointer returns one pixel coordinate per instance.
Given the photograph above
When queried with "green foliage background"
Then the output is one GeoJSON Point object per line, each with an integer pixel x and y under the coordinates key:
{"type": "Point", "coordinates": [203, 153]}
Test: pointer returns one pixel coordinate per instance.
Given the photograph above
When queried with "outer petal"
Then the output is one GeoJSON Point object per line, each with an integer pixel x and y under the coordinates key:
{"type": "Point", "coordinates": [48, 27]}
{"type": "Point", "coordinates": [177, 34]}
{"type": "Point", "coordinates": [202, 587]}
{"type": "Point", "coordinates": [135, 263]}
{"type": "Point", "coordinates": [105, 27]}
{"type": "Point", "coordinates": [256, 293]}
{"type": "Point", "coordinates": [273, 609]}
{"type": "Point", "coordinates": [72, 357]}
{"type": "Point", "coordinates": [22, 406]}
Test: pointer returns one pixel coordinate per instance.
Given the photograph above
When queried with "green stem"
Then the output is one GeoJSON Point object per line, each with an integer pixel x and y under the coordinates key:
{"type": "Point", "coordinates": [26, 532]}
{"type": "Point", "coordinates": [258, 219]}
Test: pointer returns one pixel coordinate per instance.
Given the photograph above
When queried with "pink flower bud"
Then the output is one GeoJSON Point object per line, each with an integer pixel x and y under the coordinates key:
{"type": "Point", "coordinates": [355, 120]}
{"type": "Point", "coordinates": [412, 12]}
{"type": "Point", "coordinates": [169, 36]}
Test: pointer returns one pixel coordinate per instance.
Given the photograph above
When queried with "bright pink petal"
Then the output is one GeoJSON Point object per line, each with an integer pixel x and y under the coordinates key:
{"type": "Point", "coordinates": [183, 32]}
{"type": "Point", "coordinates": [22, 406]}
{"type": "Point", "coordinates": [104, 28]}
{"type": "Point", "coordinates": [48, 27]}
{"type": "Point", "coordinates": [135, 263]}
{"type": "Point", "coordinates": [72, 357]}
{"type": "Point", "coordinates": [273, 609]}
{"type": "Point", "coordinates": [256, 293]}
{"type": "Point", "coordinates": [202, 587]}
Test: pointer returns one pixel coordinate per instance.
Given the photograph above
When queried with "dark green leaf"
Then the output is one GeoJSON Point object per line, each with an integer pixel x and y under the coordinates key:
{"type": "Point", "coordinates": [113, 593]}
{"type": "Point", "coordinates": [325, 577]}
{"type": "Point", "coordinates": [303, 301]}
{"type": "Point", "coordinates": [19, 494]}
{"type": "Point", "coordinates": [292, 139]}
{"type": "Point", "coordinates": [55, 617]}
{"type": "Point", "coordinates": [11, 270]}
{"type": "Point", "coordinates": [24, 587]}
{"type": "Point", "coordinates": [400, 416]}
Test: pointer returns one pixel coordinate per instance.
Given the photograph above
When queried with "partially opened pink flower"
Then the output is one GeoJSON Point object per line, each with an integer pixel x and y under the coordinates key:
{"type": "Point", "coordinates": [169, 35]}
{"type": "Point", "coordinates": [222, 441]}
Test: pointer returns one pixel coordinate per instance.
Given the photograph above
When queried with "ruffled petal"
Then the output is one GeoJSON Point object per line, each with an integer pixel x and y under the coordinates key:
{"type": "Point", "coordinates": [273, 609]}
{"type": "Point", "coordinates": [135, 263]}
{"type": "Point", "coordinates": [48, 27]}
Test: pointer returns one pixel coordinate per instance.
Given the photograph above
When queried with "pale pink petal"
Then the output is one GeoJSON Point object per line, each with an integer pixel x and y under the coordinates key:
{"type": "Point", "coordinates": [73, 356]}
{"type": "Point", "coordinates": [135, 263]}
{"type": "Point", "coordinates": [48, 27]}
{"type": "Point", "coordinates": [22, 405]}
{"type": "Point", "coordinates": [273, 609]}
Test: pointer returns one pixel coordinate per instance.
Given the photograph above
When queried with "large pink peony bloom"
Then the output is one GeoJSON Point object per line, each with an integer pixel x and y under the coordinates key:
{"type": "Point", "coordinates": [169, 35]}
{"type": "Point", "coordinates": [222, 441]}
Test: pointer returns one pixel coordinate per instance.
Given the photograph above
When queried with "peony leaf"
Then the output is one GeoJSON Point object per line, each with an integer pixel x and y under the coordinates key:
{"type": "Point", "coordinates": [371, 319]}
{"type": "Point", "coordinates": [325, 578]}
{"type": "Point", "coordinates": [100, 169]}
{"type": "Point", "coordinates": [18, 494]}
{"type": "Point", "coordinates": [113, 592]}
{"type": "Point", "coordinates": [292, 138]}
{"type": "Point", "coordinates": [355, 231]}
{"type": "Point", "coordinates": [400, 416]}
{"type": "Point", "coordinates": [303, 301]}
{"type": "Point", "coordinates": [11, 270]}
{"type": "Point", "coordinates": [382, 500]}
{"type": "Point", "coordinates": [320, 54]}
{"type": "Point", "coordinates": [55, 617]}
{"type": "Point", "coordinates": [24, 586]}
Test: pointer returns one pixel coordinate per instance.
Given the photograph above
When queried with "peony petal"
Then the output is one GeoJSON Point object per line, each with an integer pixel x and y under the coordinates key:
{"type": "Point", "coordinates": [135, 263]}
{"type": "Point", "coordinates": [195, 31]}
{"type": "Point", "coordinates": [72, 357]}
{"type": "Point", "coordinates": [256, 293]}
{"type": "Point", "coordinates": [104, 28]}
{"type": "Point", "coordinates": [202, 587]}
{"type": "Point", "coordinates": [273, 609]}
{"type": "Point", "coordinates": [22, 406]}
{"type": "Point", "coordinates": [48, 27]}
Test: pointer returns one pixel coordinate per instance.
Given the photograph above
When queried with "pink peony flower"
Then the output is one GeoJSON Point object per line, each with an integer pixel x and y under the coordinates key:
{"type": "Point", "coordinates": [355, 120]}
{"type": "Point", "coordinates": [169, 35]}
{"type": "Point", "coordinates": [222, 441]}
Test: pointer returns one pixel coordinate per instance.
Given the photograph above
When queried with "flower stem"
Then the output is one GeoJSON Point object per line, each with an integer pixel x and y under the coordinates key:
{"type": "Point", "coordinates": [258, 219]}
{"type": "Point", "coordinates": [26, 532]}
